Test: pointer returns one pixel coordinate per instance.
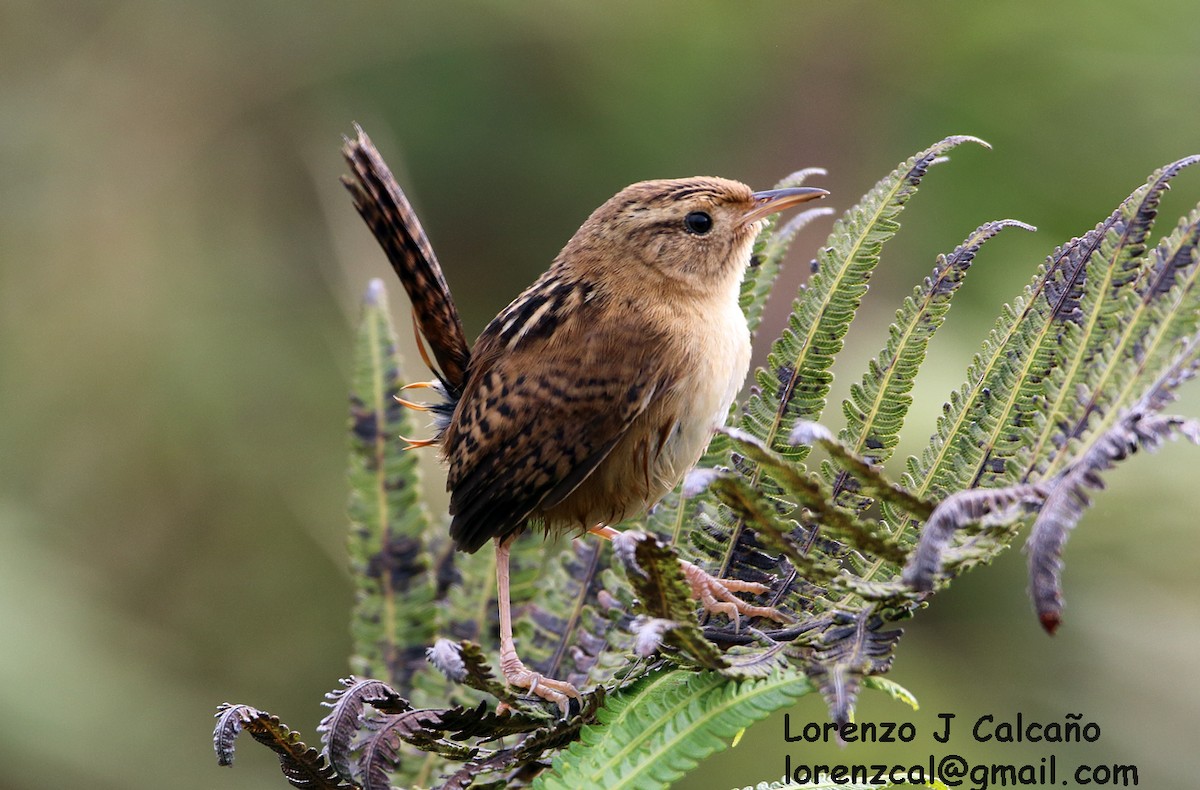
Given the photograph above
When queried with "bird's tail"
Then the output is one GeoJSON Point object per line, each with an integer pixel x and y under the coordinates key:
{"type": "Point", "coordinates": [388, 214]}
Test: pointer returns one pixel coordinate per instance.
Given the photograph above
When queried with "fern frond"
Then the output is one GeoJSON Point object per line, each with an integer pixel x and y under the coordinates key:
{"type": "Point", "coordinates": [567, 632]}
{"type": "Point", "coordinates": [957, 451]}
{"type": "Point", "coordinates": [387, 739]}
{"type": "Point", "coordinates": [528, 751]}
{"type": "Point", "coordinates": [892, 689]}
{"type": "Point", "coordinates": [1067, 495]}
{"type": "Point", "coordinates": [380, 753]}
{"type": "Point", "coordinates": [955, 512]}
{"type": "Point", "coordinates": [852, 649]}
{"type": "Point", "coordinates": [998, 426]}
{"type": "Point", "coordinates": [389, 523]}
{"type": "Point", "coordinates": [1048, 401]}
{"type": "Point", "coordinates": [770, 247]}
{"type": "Point", "coordinates": [993, 414]}
{"type": "Point", "coordinates": [660, 728]}
{"type": "Point", "coordinates": [750, 559]}
{"type": "Point", "coordinates": [770, 529]}
{"type": "Point", "coordinates": [1151, 327]}
{"type": "Point", "coordinates": [797, 379]}
{"type": "Point", "coordinates": [481, 722]}
{"type": "Point", "coordinates": [654, 572]}
{"type": "Point", "coordinates": [340, 726]}
{"type": "Point", "coordinates": [865, 475]}
{"type": "Point", "coordinates": [302, 765]}
{"type": "Point", "coordinates": [878, 404]}
{"type": "Point", "coordinates": [1108, 306]}
{"type": "Point", "coordinates": [814, 494]}
{"type": "Point", "coordinates": [1061, 500]}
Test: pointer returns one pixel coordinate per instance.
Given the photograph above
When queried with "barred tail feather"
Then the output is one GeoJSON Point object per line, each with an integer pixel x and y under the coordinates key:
{"type": "Point", "coordinates": [392, 220]}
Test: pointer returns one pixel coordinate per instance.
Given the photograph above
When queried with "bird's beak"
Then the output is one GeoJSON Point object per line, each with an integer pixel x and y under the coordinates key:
{"type": "Point", "coordinates": [773, 201]}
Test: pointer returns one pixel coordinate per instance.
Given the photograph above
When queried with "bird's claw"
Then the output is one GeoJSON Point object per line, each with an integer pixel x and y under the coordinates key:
{"type": "Point", "coordinates": [559, 692]}
{"type": "Point", "coordinates": [414, 444]}
{"type": "Point", "coordinates": [717, 595]}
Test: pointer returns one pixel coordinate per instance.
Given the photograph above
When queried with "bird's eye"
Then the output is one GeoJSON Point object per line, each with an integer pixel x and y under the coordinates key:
{"type": "Point", "coordinates": [698, 222]}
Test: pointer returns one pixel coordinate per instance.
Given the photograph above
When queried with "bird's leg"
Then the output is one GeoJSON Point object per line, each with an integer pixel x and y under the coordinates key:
{"type": "Point", "coordinates": [716, 595]}
{"type": "Point", "coordinates": [516, 673]}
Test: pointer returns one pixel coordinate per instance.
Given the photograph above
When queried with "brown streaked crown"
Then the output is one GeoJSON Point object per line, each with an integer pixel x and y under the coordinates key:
{"type": "Point", "coordinates": [643, 229]}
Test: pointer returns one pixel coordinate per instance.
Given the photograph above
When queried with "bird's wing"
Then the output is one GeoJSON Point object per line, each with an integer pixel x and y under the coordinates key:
{"type": "Point", "coordinates": [544, 408]}
{"type": "Point", "coordinates": [392, 220]}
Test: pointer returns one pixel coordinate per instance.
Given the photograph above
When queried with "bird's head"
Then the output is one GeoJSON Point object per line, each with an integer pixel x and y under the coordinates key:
{"type": "Point", "coordinates": [693, 233]}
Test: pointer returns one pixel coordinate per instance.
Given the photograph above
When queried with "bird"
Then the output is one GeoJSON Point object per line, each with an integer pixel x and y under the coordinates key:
{"type": "Point", "coordinates": [591, 395]}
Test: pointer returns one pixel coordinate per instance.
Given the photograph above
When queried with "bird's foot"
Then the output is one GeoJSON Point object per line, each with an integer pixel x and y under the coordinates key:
{"type": "Point", "coordinates": [717, 595]}
{"type": "Point", "coordinates": [519, 676]}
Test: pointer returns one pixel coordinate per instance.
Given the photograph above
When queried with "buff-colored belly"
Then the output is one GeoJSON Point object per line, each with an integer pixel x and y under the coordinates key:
{"type": "Point", "coordinates": [666, 440]}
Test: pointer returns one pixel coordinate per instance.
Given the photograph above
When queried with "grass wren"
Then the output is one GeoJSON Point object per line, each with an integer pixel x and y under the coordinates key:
{"type": "Point", "coordinates": [591, 395]}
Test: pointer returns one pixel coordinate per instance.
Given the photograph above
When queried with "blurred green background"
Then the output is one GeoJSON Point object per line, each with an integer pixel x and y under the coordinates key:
{"type": "Point", "coordinates": [179, 275]}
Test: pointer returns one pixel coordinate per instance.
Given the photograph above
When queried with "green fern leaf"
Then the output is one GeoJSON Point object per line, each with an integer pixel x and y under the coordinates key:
{"type": "Point", "coordinates": [394, 584]}
{"type": "Point", "coordinates": [1141, 342]}
{"type": "Point", "coordinates": [1059, 501]}
{"type": "Point", "coordinates": [1108, 306]}
{"type": "Point", "coordinates": [867, 476]}
{"type": "Point", "coordinates": [1024, 346]}
{"type": "Point", "coordinates": [877, 406]}
{"type": "Point", "coordinates": [797, 379]}
{"type": "Point", "coordinates": [1026, 371]}
{"type": "Point", "coordinates": [893, 690]}
{"type": "Point", "coordinates": [815, 495]}
{"type": "Point", "coordinates": [1100, 320]}
{"type": "Point", "coordinates": [657, 730]}
{"type": "Point", "coordinates": [770, 247]}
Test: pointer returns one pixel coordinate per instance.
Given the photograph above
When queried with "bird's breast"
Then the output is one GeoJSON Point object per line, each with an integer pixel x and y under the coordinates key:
{"type": "Point", "coordinates": [720, 355]}
{"type": "Point", "coordinates": [707, 357]}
